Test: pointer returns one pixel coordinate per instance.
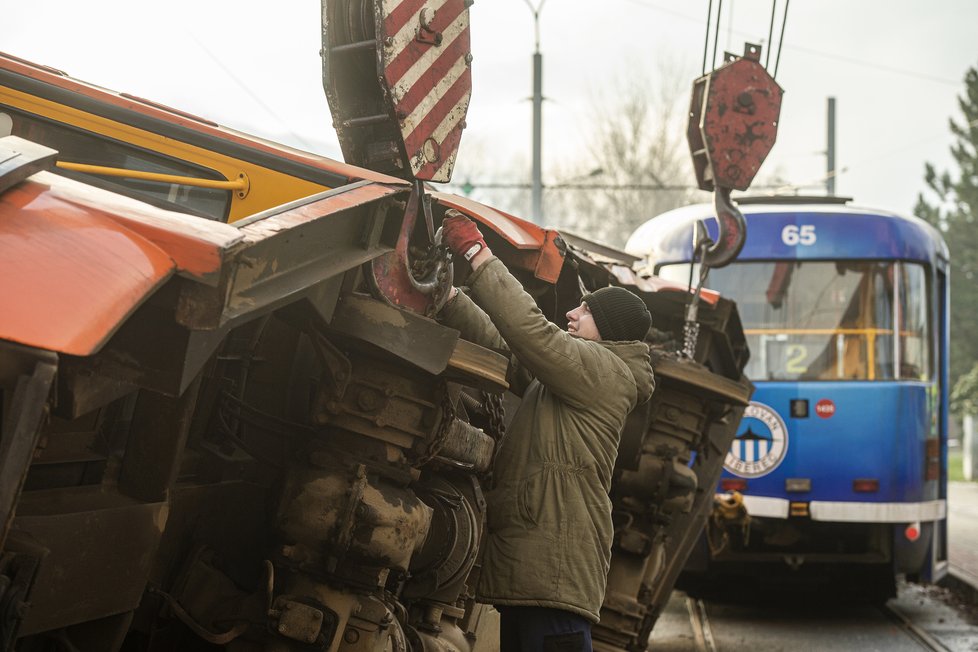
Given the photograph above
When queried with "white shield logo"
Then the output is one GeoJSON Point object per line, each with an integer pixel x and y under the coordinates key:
{"type": "Point", "coordinates": [760, 444]}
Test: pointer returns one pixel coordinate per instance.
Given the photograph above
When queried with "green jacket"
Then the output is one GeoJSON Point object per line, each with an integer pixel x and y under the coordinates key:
{"type": "Point", "coordinates": [549, 529]}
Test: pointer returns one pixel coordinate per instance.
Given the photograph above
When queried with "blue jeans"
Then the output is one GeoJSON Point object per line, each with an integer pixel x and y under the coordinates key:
{"type": "Point", "coordinates": [539, 629]}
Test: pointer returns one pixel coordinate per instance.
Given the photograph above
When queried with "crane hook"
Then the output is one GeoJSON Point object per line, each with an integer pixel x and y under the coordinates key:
{"type": "Point", "coordinates": [732, 231]}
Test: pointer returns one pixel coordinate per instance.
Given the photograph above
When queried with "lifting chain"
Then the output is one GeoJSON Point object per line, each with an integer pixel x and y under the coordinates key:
{"type": "Point", "coordinates": [691, 327]}
{"type": "Point", "coordinates": [431, 272]}
{"type": "Point", "coordinates": [441, 434]}
{"type": "Point", "coordinates": [430, 269]}
{"type": "Point", "coordinates": [492, 405]}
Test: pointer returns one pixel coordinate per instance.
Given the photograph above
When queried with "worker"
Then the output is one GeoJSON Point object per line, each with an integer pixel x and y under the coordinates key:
{"type": "Point", "coordinates": [549, 528]}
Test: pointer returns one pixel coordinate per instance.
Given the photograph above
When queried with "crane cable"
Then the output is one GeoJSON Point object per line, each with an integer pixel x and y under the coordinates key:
{"type": "Point", "coordinates": [784, 21]}
{"type": "Point", "coordinates": [715, 24]}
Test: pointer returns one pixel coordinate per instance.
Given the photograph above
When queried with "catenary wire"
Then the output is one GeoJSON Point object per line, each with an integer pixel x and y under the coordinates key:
{"type": "Point", "coordinates": [784, 21]}
{"type": "Point", "coordinates": [818, 53]}
{"type": "Point", "coordinates": [227, 71]}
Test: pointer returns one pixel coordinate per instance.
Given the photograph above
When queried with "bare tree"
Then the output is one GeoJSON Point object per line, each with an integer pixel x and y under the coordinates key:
{"type": "Point", "coordinates": [484, 175]}
{"type": "Point", "coordinates": [637, 163]}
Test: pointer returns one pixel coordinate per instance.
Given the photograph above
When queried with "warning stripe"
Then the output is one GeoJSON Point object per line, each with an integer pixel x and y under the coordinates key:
{"type": "Point", "coordinates": [449, 135]}
{"type": "Point", "coordinates": [407, 33]}
{"type": "Point", "coordinates": [400, 12]}
{"type": "Point", "coordinates": [411, 62]}
{"type": "Point", "coordinates": [422, 103]}
{"type": "Point", "coordinates": [441, 170]}
{"type": "Point", "coordinates": [438, 112]}
{"type": "Point", "coordinates": [451, 60]}
{"type": "Point", "coordinates": [430, 85]}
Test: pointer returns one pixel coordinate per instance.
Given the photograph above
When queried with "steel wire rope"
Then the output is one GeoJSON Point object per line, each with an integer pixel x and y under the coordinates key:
{"type": "Point", "coordinates": [784, 22]}
{"type": "Point", "coordinates": [860, 62]}
{"type": "Point", "coordinates": [770, 33]}
{"type": "Point", "coordinates": [706, 39]}
{"type": "Point", "coordinates": [716, 34]}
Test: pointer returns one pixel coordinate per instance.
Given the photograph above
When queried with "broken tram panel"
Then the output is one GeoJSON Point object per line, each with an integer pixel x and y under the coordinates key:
{"type": "Point", "coordinates": [257, 452]}
{"type": "Point", "coordinates": [228, 417]}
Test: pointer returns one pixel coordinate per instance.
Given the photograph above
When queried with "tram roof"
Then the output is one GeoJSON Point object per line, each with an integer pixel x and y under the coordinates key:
{"type": "Point", "coordinates": [841, 231]}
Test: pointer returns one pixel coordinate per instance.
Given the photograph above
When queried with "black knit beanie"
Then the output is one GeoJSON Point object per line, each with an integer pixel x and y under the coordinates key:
{"type": "Point", "coordinates": [619, 315]}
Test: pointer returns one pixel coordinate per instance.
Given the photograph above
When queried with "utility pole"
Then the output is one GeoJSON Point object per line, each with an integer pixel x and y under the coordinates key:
{"type": "Point", "coordinates": [536, 208]}
{"type": "Point", "coordinates": [830, 150]}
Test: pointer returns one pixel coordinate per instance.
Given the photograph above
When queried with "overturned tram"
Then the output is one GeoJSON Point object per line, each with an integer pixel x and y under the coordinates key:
{"type": "Point", "coordinates": [229, 419]}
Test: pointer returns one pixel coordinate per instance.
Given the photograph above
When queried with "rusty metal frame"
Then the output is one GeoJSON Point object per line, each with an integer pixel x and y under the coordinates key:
{"type": "Point", "coordinates": [22, 423]}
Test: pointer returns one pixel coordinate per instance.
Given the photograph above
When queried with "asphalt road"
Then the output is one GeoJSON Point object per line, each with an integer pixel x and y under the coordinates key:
{"type": "Point", "coordinates": [919, 618]}
{"type": "Point", "coordinates": [962, 509]}
{"type": "Point", "coordinates": [805, 624]}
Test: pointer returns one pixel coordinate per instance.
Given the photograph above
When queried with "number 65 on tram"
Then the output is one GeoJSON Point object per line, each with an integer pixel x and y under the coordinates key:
{"type": "Point", "coordinates": [841, 458]}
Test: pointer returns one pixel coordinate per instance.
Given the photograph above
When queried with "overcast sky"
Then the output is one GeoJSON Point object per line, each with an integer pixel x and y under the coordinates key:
{"type": "Point", "coordinates": [894, 66]}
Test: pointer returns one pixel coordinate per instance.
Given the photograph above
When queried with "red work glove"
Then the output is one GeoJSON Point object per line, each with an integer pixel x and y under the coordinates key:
{"type": "Point", "coordinates": [461, 235]}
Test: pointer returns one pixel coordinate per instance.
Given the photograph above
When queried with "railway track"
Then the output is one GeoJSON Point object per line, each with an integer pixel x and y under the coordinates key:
{"type": "Point", "coordinates": [699, 621]}
{"type": "Point", "coordinates": [912, 630]}
{"type": "Point", "coordinates": [920, 618]}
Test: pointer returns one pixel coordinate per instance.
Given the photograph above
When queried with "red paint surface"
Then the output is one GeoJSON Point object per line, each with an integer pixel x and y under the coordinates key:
{"type": "Point", "coordinates": [195, 245]}
{"type": "Point", "coordinates": [69, 275]}
{"type": "Point", "coordinates": [537, 245]}
{"type": "Point", "coordinates": [738, 137]}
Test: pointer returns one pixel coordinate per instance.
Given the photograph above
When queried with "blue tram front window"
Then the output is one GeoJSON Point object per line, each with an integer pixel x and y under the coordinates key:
{"type": "Point", "coordinates": [828, 320]}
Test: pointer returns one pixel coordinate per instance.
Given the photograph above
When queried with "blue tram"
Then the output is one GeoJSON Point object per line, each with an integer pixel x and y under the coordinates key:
{"type": "Point", "coordinates": [841, 458]}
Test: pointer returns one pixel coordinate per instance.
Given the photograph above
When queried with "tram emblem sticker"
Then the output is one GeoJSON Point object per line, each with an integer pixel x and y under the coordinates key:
{"type": "Point", "coordinates": [760, 444]}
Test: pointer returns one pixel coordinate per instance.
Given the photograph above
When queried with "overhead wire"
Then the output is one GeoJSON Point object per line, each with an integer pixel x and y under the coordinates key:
{"type": "Point", "coordinates": [706, 39]}
{"type": "Point", "coordinates": [251, 94]}
{"type": "Point", "coordinates": [859, 62]}
{"type": "Point", "coordinates": [877, 66]}
{"type": "Point", "coordinates": [818, 182]}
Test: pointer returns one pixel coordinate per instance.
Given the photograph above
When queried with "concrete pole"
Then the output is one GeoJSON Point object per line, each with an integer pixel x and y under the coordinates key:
{"type": "Point", "coordinates": [536, 182]}
{"type": "Point", "coordinates": [537, 196]}
{"type": "Point", "coordinates": [830, 150]}
{"type": "Point", "coordinates": [969, 445]}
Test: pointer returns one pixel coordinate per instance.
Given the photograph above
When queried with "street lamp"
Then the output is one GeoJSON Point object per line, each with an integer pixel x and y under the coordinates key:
{"type": "Point", "coordinates": [536, 206]}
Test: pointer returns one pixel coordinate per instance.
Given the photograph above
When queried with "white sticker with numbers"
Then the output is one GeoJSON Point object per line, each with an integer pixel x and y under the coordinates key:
{"type": "Point", "coordinates": [795, 234]}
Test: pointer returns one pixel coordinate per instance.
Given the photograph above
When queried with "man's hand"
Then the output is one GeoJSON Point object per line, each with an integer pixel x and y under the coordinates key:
{"type": "Point", "coordinates": [461, 235]}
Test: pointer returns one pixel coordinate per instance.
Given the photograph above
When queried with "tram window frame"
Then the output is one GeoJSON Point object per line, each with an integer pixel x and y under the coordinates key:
{"type": "Point", "coordinates": [930, 319]}
{"type": "Point", "coordinates": [112, 152]}
{"type": "Point", "coordinates": [892, 356]}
